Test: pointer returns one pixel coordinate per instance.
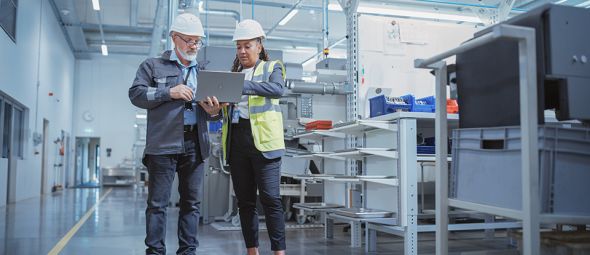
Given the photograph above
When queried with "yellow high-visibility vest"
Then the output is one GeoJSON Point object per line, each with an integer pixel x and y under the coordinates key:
{"type": "Point", "coordinates": [266, 118]}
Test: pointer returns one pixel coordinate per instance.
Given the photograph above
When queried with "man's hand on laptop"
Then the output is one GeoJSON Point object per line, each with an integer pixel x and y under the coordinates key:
{"type": "Point", "coordinates": [212, 105]}
{"type": "Point", "coordinates": [182, 92]}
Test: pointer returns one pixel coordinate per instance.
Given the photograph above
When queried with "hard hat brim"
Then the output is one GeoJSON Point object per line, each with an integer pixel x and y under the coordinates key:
{"type": "Point", "coordinates": [189, 34]}
{"type": "Point", "coordinates": [247, 38]}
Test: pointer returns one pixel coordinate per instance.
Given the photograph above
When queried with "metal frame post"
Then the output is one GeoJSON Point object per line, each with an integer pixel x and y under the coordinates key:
{"type": "Point", "coordinates": [408, 184]}
{"type": "Point", "coordinates": [441, 164]}
{"type": "Point", "coordinates": [350, 10]}
{"type": "Point", "coordinates": [356, 234]}
{"type": "Point", "coordinates": [370, 239]}
{"type": "Point", "coordinates": [329, 229]}
{"type": "Point", "coordinates": [530, 148]}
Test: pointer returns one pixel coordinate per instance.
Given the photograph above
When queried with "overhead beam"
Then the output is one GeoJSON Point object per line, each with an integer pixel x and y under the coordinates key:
{"type": "Point", "coordinates": [114, 28]}
{"type": "Point", "coordinates": [294, 7]}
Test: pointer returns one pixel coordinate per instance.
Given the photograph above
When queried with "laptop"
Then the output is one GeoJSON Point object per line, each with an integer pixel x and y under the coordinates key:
{"type": "Point", "coordinates": [226, 86]}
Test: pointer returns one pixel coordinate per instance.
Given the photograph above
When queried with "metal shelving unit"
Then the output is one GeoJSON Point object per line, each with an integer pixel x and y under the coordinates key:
{"type": "Point", "coordinates": [377, 187]}
{"type": "Point", "coordinates": [530, 213]}
{"type": "Point", "coordinates": [319, 135]}
{"type": "Point", "coordinates": [359, 153]}
{"type": "Point", "coordinates": [407, 223]}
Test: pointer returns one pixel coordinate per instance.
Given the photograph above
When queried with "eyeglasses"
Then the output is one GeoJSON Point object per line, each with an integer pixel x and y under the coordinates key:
{"type": "Point", "coordinates": [198, 43]}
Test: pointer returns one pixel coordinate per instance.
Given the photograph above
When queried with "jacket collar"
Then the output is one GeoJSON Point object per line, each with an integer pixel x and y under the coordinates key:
{"type": "Point", "coordinates": [166, 55]}
{"type": "Point", "coordinates": [257, 63]}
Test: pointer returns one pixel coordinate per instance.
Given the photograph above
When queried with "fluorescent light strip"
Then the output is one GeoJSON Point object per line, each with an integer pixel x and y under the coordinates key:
{"type": "Point", "coordinates": [560, 2]}
{"type": "Point", "coordinates": [95, 5]}
{"type": "Point", "coordinates": [289, 16]}
{"type": "Point", "coordinates": [406, 13]}
{"type": "Point", "coordinates": [141, 116]}
{"type": "Point", "coordinates": [584, 4]}
{"type": "Point", "coordinates": [104, 49]}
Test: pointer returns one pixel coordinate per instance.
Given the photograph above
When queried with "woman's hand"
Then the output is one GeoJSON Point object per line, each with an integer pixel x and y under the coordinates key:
{"type": "Point", "coordinates": [212, 106]}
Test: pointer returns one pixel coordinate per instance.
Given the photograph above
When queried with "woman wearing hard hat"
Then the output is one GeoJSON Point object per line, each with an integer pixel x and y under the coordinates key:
{"type": "Point", "coordinates": [253, 129]}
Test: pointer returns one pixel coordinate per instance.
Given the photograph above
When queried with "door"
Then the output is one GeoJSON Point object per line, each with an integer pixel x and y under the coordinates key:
{"type": "Point", "coordinates": [69, 175]}
{"type": "Point", "coordinates": [7, 152]}
{"type": "Point", "coordinates": [3, 161]}
{"type": "Point", "coordinates": [44, 174]}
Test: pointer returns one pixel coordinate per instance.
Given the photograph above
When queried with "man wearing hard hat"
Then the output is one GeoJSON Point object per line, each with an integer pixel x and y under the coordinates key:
{"type": "Point", "coordinates": [176, 139]}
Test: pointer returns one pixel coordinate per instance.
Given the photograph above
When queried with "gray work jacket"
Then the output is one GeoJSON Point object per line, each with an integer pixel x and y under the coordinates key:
{"type": "Point", "coordinates": [165, 116]}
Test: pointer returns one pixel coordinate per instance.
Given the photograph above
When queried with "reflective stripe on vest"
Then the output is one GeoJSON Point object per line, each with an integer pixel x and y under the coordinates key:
{"type": "Point", "coordinates": [267, 107]}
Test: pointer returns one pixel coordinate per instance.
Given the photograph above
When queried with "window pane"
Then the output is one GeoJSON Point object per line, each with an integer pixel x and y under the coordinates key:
{"type": "Point", "coordinates": [18, 132]}
{"type": "Point", "coordinates": [8, 18]}
{"type": "Point", "coordinates": [6, 131]}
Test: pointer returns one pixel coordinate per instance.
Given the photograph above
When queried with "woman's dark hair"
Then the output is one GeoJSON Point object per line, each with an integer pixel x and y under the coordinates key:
{"type": "Point", "coordinates": [237, 67]}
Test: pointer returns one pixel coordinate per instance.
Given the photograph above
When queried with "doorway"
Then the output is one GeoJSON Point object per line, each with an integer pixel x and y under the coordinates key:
{"type": "Point", "coordinates": [12, 140]}
{"type": "Point", "coordinates": [87, 171]}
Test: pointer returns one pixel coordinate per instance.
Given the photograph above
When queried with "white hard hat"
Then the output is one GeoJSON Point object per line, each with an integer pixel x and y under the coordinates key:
{"type": "Point", "coordinates": [188, 24]}
{"type": "Point", "coordinates": [248, 29]}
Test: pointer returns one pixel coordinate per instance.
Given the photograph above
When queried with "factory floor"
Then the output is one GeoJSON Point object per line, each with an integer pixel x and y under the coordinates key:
{"type": "Point", "coordinates": [111, 221]}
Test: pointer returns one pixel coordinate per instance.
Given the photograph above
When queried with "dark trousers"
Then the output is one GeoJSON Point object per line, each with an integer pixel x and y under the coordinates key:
{"type": "Point", "coordinates": [250, 171]}
{"type": "Point", "coordinates": [161, 168]}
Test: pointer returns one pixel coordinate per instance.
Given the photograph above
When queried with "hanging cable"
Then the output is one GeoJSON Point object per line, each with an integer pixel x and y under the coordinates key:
{"type": "Point", "coordinates": [36, 135]}
{"type": "Point", "coordinates": [207, 22]}
{"type": "Point", "coordinates": [252, 9]}
{"type": "Point", "coordinates": [241, 10]}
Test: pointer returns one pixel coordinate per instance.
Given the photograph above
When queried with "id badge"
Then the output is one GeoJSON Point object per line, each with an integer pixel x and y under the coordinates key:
{"type": "Point", "coordinates": [235, 118]}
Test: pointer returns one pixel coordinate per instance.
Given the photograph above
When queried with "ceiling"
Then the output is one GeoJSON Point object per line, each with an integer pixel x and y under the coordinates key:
{"type": "Point", "coordinates": [140, 26]}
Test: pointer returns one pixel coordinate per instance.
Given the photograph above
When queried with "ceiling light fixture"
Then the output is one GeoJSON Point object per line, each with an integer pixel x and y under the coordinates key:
{"type": "Point", "coordinates": [288, 17]}
{"type": "Point", "coordinates": [95, 5]}
{"type": "Point", "coordinates": [104, 50]}
{"type": "Point", "coordinates": [408, 13]}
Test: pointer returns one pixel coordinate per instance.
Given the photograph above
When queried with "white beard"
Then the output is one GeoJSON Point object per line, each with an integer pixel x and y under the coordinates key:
{"type": "Point", "coordinates": [186, 56]}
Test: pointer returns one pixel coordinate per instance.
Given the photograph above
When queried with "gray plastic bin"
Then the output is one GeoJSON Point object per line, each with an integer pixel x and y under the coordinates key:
{"type": "Point", "coordinates": [486, 168]}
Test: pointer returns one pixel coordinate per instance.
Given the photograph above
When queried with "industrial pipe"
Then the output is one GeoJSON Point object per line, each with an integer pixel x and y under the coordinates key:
{"type": "Point", "coordinates": [318, 88]}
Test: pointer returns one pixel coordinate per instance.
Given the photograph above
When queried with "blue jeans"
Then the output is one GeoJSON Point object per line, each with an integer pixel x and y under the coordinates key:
{"type": "Point", "coordinates": [162, 168]}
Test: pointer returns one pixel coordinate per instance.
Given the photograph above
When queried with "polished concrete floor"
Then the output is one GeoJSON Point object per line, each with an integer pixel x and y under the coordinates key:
{"type": "Point", "coordinates": [35, 226]}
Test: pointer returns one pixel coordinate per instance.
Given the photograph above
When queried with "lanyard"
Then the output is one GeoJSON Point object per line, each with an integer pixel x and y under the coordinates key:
{"type": "Point", "coordinates": [188, 106]}
{"type": "Point", "coordinates": [187, 75]}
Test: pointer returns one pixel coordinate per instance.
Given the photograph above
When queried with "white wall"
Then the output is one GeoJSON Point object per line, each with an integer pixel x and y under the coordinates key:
{"type": "Point", "coordinates": [102, 90]}
{"type": "Point", "coordinates": [18, 78]}
{"type": "Point", "coordinates": [387, 53]}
